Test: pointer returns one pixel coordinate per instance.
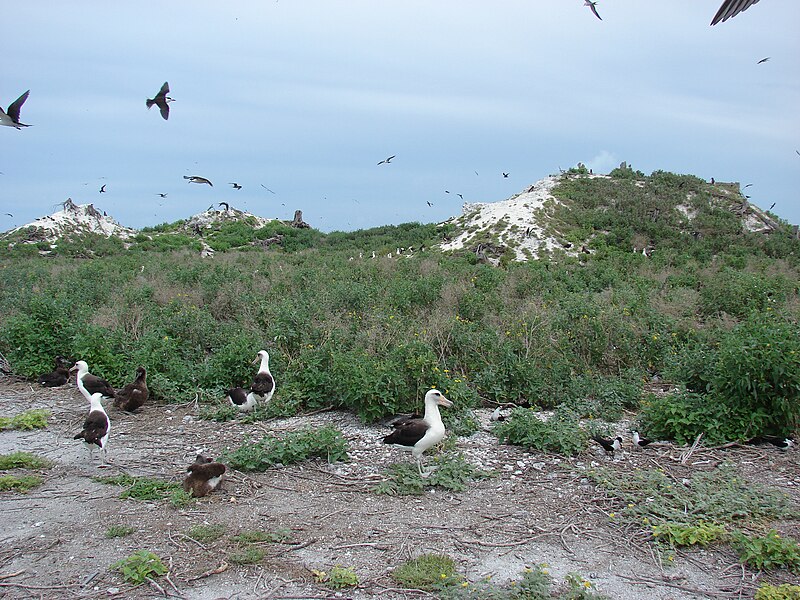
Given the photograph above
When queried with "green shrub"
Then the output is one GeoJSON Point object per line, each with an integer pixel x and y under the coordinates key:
{"type": "Point", "coordinates": [427, 572]}
{"type": "Point", "coordinates": [768, 552]}
{"type": "Point", "coordinates": [451, 472]}
{"type": "Point", "coordinates": [327, 443]}
{"type": "Point", "coordinates": [142, 488]}
{"type": "Point", "coordinates": [206, 533]}
{"type": "Point", "coordinates": [684, 534]}
{"type": "Point", "coordinates": [258, 536]}
{"type": "Point", "coordinates": [23, 460]}
{"type": "Point", "coordinates": [785, 591]}
{"type": "Point", "coordinates": [20, 483]}
{"type": "Point", "coordinates": [140, 566]}
{"type": "Point", "coordinates": [560, 434]}
{"type": "Point", "coordinates": [115, 531]}
{"type": "Point", "coordinates": [30, 419]}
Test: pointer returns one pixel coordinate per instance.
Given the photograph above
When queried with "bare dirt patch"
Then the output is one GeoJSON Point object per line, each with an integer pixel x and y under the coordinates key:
{"type": "Point", "coordinates": [536, 509]}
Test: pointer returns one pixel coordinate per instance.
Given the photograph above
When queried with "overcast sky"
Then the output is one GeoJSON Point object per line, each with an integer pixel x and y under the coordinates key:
{"type": "Point", "coordinates": [304, 97]}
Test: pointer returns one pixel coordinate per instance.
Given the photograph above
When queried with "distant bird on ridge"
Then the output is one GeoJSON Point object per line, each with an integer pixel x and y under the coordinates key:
{"type": "Point", "coordinates": [593, 7]}
{"type": "Point", "coordinates": [197, 179]}
{"type": "Point", "coordinates": [10, 118]}
{"type": "Point", "coordinates": [161, 100]}
{"type": "Point", "coordinates": [387, 160]}
{"type": "Point", "coordinates": [731, 8]}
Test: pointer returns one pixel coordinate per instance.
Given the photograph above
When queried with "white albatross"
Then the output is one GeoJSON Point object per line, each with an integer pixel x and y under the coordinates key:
{"type": "Point", "coordinates": [420, 433]}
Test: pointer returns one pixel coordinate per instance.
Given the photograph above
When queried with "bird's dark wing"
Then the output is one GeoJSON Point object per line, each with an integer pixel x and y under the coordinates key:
{"type": "Point", "coordinates": [594, 10]}
{"type": "Point", "coordinates": [163, 91]}
{"type": "Point", "coordinates": [164, 108]}
{"type": "Point", "coordinates": [16, 105]}
{"type": "Point", "coordinates": [207, 470]}
{"type": "Point", "coordinates": [263, 383]}
{"type": "Point", "coordinates": [238, 395]}
{"type": "Point", "coordinates": [407, 431]}
{"type": "Point", "coordinates": [95, 384]}
{"type": "Point", "coordinates": [731, 8]}
{"type": "Point", "coordinates": [94, 428]}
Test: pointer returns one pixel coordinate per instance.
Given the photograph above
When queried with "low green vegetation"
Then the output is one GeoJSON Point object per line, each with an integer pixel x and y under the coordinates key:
{"type": "Point", "coordinates": [116, 531]}
{"type": "Point", "coordinates": [30, 419]}
{"type": "Point", "coordinates": [337, 578]}
{"type": "Point", "coordinates": [141, 488]}
{"type": "Point", "coordinates": [207, 533]}
{"type": "Point", "coordinates": [22, 460]}
{"type": "Point", "coordinates": [767, 552]}
{"type": "Point", "coordinates": [325, 442]}
{"type": "Point", "coordinates": [448, 471]}
{"type": "Point", "coordinates": [559, 434]}
{"type": "Point", "coordinates": [19, 483]}
{"type": "Point", "coordinates": [785, 591]}
{"type": "Point", "coordinates": [139, 567]}
{"type": "Point", "coordinates": [427, 572]}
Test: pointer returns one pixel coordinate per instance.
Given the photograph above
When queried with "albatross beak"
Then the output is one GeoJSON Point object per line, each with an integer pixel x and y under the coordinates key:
{"type": "Point", "coordinates": [444, 402]}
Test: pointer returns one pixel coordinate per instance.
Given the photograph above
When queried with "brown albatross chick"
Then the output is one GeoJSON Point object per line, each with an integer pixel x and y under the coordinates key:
{"type": "Point", "coordinates": [134, 394]}
{"type": "Point", "coordinates": [204, 476]}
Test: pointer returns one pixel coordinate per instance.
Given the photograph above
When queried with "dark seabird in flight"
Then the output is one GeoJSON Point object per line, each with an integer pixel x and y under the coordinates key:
{"type": "Point", "coordinates": [772, 206]}
{"type": "Point", "coordinates": [162, 195]}
{"type": "Point", "coordinates": [197, 179]}
{"type": "Point", "coordinates": [161, 100]}
{"type": "Point", "coordinates": [10, 118]}
{"type": "Point", "coordinates": [763, 60]}
{"type": "Point", "coordinates": [505, 175]}
{"type": "Point", "coordinates": [387, 160]}
{"type": "Point", "coordinates": [731, 8]}
{"type": "Point", "coordinates": [592, 6]}
{"type": "Point", "coordinates": [429, 202]}
{"type": "Point", "coordinates": [235, 185]}
{"type": "Point", "coordinates": [103, 189]}
{"type": "Point", "coordinates": [225, 204]}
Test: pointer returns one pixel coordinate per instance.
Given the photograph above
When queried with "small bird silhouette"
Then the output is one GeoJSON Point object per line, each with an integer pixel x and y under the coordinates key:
{"type": "Point", "coordinates": [460, 196]}
{"type": "Point", "coordinates": [731, 8]}
{"type": "Point", "coordinates": [763, 60]}
{"type": "Point", "coordinates": [429, 203]}
{"type": "Point", "coordinates": [103, 189]}
{"type": "Point", "coordinates": [162, 195]}
{"type": "Point", "coordinates": [235, 185]}
{"type": "Point", "coordinates": [592, 6]}
{"type": "Point", "coordinates": [161, 100]}
{"type": "Point", "coordinates": [772, 206]}
{"type": "Point", "coordinates": [748, 185]}
{"type": "Point", "coordinates": [387, 160]}
{"type": "Point", "coordinates": [197, 179]}
{"type": "Point", "coordinates": [505, 175]}
{"type": "Point", "coordinates": [9, 214]}
{"type": "Point", "coordinates": [226, 205]}
{"type": "Point", "coordinates": [10, 118]}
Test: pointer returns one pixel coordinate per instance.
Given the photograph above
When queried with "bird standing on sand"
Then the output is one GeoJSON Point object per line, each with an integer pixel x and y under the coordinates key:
{"type": "Point", "coordinates": [593, 7]}
{"type": "Point", "coordinates": [197, 179]}
{"type": "Point", "coordinates": [731, 8]}
{"type": "Point", "coordinates": [96, 427]}
{"type": "Point", "coordinates": [10, 118]}
{"type": "Point", "coordinates": [161, 100]}
{"type": "Point", "coordinates": [420, 433]}
{"type": "Point", "coordinates": [609, 445]}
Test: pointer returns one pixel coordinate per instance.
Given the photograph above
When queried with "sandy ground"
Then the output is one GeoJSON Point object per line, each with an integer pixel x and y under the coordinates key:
{"type": "Point", "coordinates": [536, 509]}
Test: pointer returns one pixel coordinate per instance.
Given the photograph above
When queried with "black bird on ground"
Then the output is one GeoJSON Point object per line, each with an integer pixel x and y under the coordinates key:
{"type": "Point", "coordinates": [731, 8]}
{"type": "Point", "coordinates": [593, 7]}
{"type": "Point", "coordinates": [161, 100]}
{"type": "Point", "coordinates": [608, 445]}
{"type": "Point", "coordinates": [10, 118]}
{"type": "Point", "coordinates": [197, 179]}
{"type": "Point", "coordinates": [134, 394]}
{"type": "Point", "coordinates": [57, 377]}
{"type": "Point", "coordinates": [640, 441]}
{"type": "Point", "coordinates": [782, 443]}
